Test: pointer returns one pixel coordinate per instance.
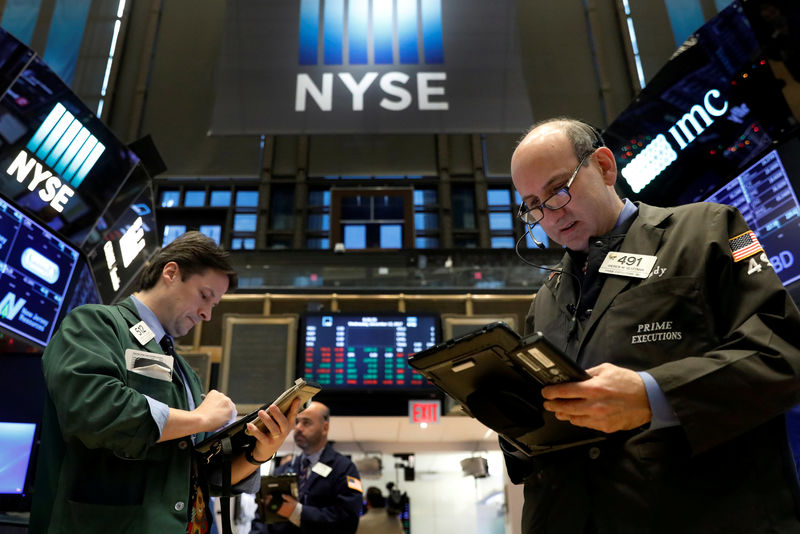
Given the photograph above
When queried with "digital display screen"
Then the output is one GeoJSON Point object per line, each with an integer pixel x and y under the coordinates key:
{"type": "Point", "coordinates": [765, 196]}
{"type": "Point", "coordinates": [16, 442]}
{"type": "Point", "coordinates": [125, 247]}
{"type": "Point", "coordinates": [366, 351]}
{"type": "Point", "coordinates": [709, 111]}
{"type": "Point", "coordinates": [36, 268]}
{"type": "Point", "coordinates": [57, 159]}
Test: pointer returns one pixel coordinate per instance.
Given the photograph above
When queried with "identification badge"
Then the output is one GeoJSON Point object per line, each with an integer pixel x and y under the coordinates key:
{"type": "Point", "coordinates": [150, 364]}
{"type": "Point", "coordinates": [628, 264]}
{"type": "Point", "coordinates": [322, 469]}
{"type": "Point", "coordinates": [142, 333]}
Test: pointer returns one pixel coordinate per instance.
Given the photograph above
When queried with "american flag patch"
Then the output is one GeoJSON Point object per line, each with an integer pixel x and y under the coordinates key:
{"type": "Point", "coordinates": [354, 484]}
{"type": "Point", "coordinates": [744, 245]}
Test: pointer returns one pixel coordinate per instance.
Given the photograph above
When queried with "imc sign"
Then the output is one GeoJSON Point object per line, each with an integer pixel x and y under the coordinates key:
{"type": "Point", "coordinates": [370, 66]}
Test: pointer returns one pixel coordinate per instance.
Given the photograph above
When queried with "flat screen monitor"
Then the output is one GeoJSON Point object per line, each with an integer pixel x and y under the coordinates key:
{"type": "Point", "coordinates": [16, 444]}
{"type": "Point", "coordinates": [124, 248]}
{"type": "Point", "coordinates": [36, 268]}
{"type": "Point", "coordinates": [713, 107]}
{"type": "Point", "coordinates": [365, 351]}
{"type": "Point", "coordinates": [58, 161]}
{"type": "Point", "coordinates": [765, 194]}
{"type": "Point", "coordinates": [22, 397]}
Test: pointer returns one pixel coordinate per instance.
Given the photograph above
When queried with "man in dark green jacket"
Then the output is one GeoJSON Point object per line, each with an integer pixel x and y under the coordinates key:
{"type": "Point", "coordinates": [124, 410]}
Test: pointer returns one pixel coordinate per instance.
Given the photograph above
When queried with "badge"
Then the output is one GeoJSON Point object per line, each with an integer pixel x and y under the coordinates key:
{"type": "Point", "coordinates": [142, 333]}
{"type": "Point", "coordinates": [150, 364]}
{"type": "Point", "coordinates": [322, 469]}
{"type": "Point", "coordinates": [628, 264]}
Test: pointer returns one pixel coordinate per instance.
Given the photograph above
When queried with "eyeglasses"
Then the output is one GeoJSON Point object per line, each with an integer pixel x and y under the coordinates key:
{"type": "Point", "coordinates": [559, 199]}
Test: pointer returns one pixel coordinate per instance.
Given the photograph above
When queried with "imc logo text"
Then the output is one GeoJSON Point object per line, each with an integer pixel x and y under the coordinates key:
{"type": "Point", "coordinates": [376, 33]}
{"type": "Point", "coordinates": [64, 145]}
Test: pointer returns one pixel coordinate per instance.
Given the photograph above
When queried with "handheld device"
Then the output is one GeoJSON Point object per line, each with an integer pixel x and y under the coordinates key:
{"type": "Point", "coordinates": [240, 438]}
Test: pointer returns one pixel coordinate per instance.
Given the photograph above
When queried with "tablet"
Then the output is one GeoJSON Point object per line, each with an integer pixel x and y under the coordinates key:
{"type": "Point", "coordinates": [237, 431]}
{"type": "Point", "coordinates": [275, 486]}
{"type": "Point", "coordinates": [497, 378]}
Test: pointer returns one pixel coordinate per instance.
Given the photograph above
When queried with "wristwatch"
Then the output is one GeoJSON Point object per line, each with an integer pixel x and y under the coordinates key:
{"type": "Point", "coordinates": [248, 455]}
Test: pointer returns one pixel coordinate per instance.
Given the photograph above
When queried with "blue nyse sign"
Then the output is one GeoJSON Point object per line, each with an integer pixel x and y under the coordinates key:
{"type": "Point", "coordinates": [373, 66]}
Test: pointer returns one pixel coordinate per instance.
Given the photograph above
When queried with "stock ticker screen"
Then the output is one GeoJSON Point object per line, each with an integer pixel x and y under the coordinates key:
{"type": "Point", "coordinates": [366, 351]}
{"type": "Point", "coordinates": [36, 268]}
{"type": "Point", "coordinates": [765, 196]}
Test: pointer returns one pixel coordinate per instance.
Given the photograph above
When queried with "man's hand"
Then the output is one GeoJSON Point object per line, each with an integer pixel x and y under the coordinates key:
{"type": "Point", "coordinates": [613, 399]}
{"type": "Point", "coordinates": [287, 506]}
{"type": "Point", "coordinates": [278, 427]}
{"type": "Point", "coordinates": [215, 411]}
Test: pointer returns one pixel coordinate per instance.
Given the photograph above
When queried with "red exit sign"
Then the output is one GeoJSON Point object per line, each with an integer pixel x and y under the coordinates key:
{"type": "Point", "coordinates": [424, 411]}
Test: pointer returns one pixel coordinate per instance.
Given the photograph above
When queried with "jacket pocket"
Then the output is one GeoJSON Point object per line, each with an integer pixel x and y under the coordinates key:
{"type": "Point", "coordinates": [656, 322]}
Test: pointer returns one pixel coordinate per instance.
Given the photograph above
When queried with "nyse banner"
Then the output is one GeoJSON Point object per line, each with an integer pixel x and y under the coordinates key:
{"type": "Point", "coordinates": [370, 66]}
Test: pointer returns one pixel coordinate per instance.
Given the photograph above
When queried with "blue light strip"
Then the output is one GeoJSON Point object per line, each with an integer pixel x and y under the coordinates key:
{"type": "Point", "coordinates": [95, 154]}
{"type": "Point", "coordinates": [48, 124]}
{"type": "Point", "coordinates": [407, 30]}
{"type": "Point", "coordinates": [383, 31]}
{"type": "Point", "coordinates": [333, 31]}
{"type": "Point", "coordinates": [71, 151]}
{"type": "Point", "coordinates": [63, 143]}
{"type": "Point", "coordinates": [309, 31]}
{"type": "Point", "coordinates": [83, 153]}
{"type": "Point", "coordinates": [432, 31]}
{"type": "Point", "coordinates": [357, 31]}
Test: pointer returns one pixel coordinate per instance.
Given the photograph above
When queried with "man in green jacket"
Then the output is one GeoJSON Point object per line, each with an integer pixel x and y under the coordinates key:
{"type": "Point", "coordinates": [124, 410]}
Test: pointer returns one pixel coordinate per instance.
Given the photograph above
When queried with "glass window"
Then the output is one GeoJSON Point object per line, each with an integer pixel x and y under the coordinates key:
{"type": "Point", "coordinates": [244, 222]}
{"type": "Point", "coordinates": [220, 198]}
{"type": "Point", "coordinates": [319, 198]}
{"type": "Point", "coordinates": [426, 221]}
{"type": "Point", "coordinates": [427, 242]}
{"type": "Point", "coordinates": [318, 243]}
{"type": "Point", "coordinates": [356, 208]}
{"type": "Point", "coordinates": [194, 198]}
{"type": "Point", "coordinates": [213, 231]}
{"type": "Point", "coordinates": [502, 242]}
{"type": "Point", "coordinates": [463, 208]}
{"type": "Point", "coordinates": [391, 236]}
{"type": "Point", "coordinates": [501, 221]}
{"type": "Point", "coordinates": [465, 242]}
{"type": "Point", "coordinates": [388, 207]}
{"type": "Point", "coordinates": [170, 198]}
{"type": "Point", "coordinates": [238, 243]}
{"type": "Point", "coordinates": [281, 216]}
{"type": "Point", "coordinates": [498, 197]}
{"type": "Point", "coordinates": [355, 236]}
{"type": "Point", "coordinates": [172, 231]}
{"type": "Point", "coordinates": [425, 197]}
{"type": "Point", "coordinates": [247, 199]}
{"type": "Point", "coordinates": [319, 222]}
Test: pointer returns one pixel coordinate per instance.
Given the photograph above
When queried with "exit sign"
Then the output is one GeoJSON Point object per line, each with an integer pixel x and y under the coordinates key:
{"type": "Point", "coordinates": [424, 411]}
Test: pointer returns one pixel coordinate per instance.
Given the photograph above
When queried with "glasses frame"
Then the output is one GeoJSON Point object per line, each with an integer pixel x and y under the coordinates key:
{"type": "Point", "coordinates": [526, 213]}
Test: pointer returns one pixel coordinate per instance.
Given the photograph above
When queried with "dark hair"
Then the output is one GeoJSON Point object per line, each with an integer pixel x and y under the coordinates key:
{"type": "Point", "coordinates": [194, 253]}
{"type": "Point", "coordinates": [583, 136]}
{"type": "Point", "coordinates": [375, 497]}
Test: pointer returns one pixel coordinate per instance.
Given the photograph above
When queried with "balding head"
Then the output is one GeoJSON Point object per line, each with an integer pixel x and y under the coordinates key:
{"type": "Point", "coordinates": [311, 429]}
{"type": "Point", "coordinates": [544, 162]}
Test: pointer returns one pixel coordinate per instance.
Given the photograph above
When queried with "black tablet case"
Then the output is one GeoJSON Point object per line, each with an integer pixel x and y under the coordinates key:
{"type": "Point", "coordinates": [497, 377]}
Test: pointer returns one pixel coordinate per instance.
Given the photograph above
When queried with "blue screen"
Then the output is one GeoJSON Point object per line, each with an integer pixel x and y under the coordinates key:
{"type": "Point", "coordinates": [765, 196]}
{"type": "Point", "coordinates": [366, 351]}
{"type": "Point", "coordinates": [16, 440]}
{"type": "Point", "coordinates": [36, 268]}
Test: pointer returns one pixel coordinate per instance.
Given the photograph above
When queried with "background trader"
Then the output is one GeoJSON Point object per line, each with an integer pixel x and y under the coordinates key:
{"type": "Point", "coordinates": [694, 357]}
{"type": "Point", "coordinates": [329, 483]}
